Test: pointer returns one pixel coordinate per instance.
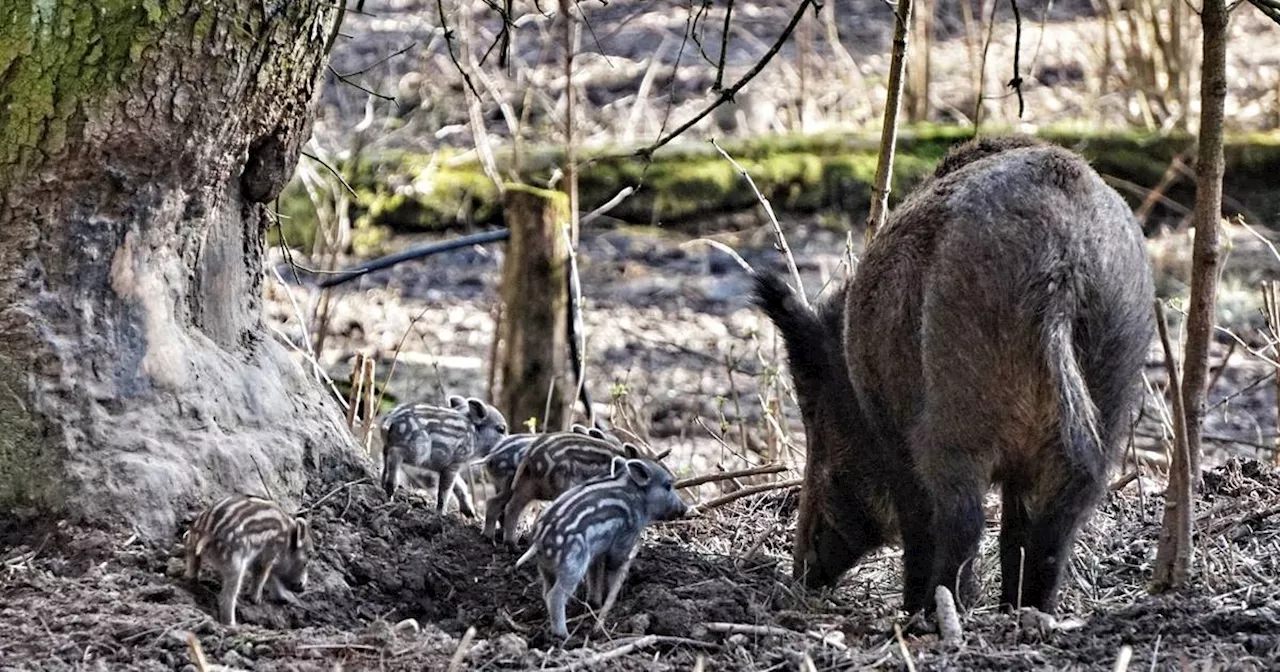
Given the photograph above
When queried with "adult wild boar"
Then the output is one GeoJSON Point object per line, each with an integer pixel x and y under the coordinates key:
{"type": "Point", "coordinates": [993, 333]}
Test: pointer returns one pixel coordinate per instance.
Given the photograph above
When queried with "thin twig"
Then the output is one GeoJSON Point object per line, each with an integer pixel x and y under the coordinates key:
{"type": "Point", "coordinates": [1016, 82]}
{"type": "Point", "coordinates": [331, 493]}
{"type": "Point", "coordinates": [726, 475]}
{"type": "Point", "coordinates": [448, 43]}
{"type": "Point", "coordinates": [335, 173]}
{"type": "Point", "coordinates": [610, 204]}
{"type": "Point", "coordinates": [363, 88]}
{"type": "Point", "coordinates": [728, 94]}
{"type": "Point", "coordinates": [724, 47]}
{"type": "Point", "coordinates": [769, 631]}
{"type": "Point", "coordinates": [380, 61]}
{"type": "Point", "coordinates": [723, 248]}
{"type": "Point", "coordinates": [780, 239]}
{"type": "Point", "coordinates": [642, 643]}
{"type": "Point", "coordinates": [902, 643]}
{"type": "Point", "coordinates": [753, 490]}
{"type": "Point", "coordinates": [889, 127]}
{"type": "Point", "coordinates": [395, 357]}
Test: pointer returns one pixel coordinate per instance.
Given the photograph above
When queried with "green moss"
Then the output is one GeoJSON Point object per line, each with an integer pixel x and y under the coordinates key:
{"type": "Point", "coordinates": [59, 58]}
{"type": "Point", "coordinates": [831, 172]}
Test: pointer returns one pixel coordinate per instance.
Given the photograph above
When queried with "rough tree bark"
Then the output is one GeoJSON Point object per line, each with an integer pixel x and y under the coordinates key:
{"type": "Point", "coordinates": [1207, 220]}
{"type": "Point", "coordinates": [535, 302]}
{"type": "Point", "coordinates": [140, 143]}
{"type": "Point", "coordinates": [1173, 558]}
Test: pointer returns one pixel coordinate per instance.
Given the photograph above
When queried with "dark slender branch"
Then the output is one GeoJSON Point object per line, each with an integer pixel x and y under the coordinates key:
{"type": "Point", "coordinates": [1016, 82]}
{"type": "Point", "coordinates": [343, 78]}
{"type": "Point", "coordinates": [1269, 7]}
{"type": "Point", "coordinates": [702, 11]}
{"type": "Point", "coordinates": [359, 9]}
{"type": "Point", "coordinates": [724, 47]}
{"type": "Point", "coordinates": [448, 43]}
{"type": "Point", "coordinates": [415, 253]}
{"type": "Point", "coordinates": [337, 29]}
{"type": "Point", "coordinates": [728, 94]}
{"type": "Point", "coordinates": [336, 174]}
{"type": "Point", "coordinates": [380, 61]}
{"type": "Point", "coordinates": [591, 29]}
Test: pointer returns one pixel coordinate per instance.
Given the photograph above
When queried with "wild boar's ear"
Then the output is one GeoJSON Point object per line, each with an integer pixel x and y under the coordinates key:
{"type": "Point", "coordinates": [639, 472]}
{"type": "Point", "coordinates": [456, 402]}
{"type": "Point", "coordinates": [476, 409]}
{"type": "Point", "coordinates": [632, 451]}
{"type": "Point", "coordinates": [616, 465]}
{"type": "Point", "coordinates": [579, 429]}
{"type": "Point", "coordinates": [594, 433]}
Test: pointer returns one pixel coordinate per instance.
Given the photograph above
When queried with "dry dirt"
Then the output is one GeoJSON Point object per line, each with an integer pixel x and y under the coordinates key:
{"type": "Point", "coordinates": [84, 599]}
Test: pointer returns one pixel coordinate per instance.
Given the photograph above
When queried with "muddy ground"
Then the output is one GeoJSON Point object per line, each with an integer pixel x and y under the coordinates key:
{"type": "Point", "coordinates": [82, 599]}
{"type": "Point", "coordinates": [677, 355]}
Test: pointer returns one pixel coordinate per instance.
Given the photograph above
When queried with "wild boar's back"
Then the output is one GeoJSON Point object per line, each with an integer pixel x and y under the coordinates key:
{"type": "Point", "coordinates": [989, 291]}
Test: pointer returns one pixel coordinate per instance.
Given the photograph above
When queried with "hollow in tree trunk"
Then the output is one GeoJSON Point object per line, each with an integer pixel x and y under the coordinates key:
{"type": "Point", "coordinates": [141, 143]}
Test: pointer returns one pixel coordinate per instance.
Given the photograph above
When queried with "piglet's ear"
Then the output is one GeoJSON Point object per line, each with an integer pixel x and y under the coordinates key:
{"type": "Point", "coordinates": [597, 434]}
{"type": "Point", "coordinates": [617, 465]}
{"type": "Point", "coordinates": [456, 402]}
{"type": "Point", "coordinates": [476, 409]}
{"type": "Point", "coordinates": [639, 472]}
{"type": "Point", "coordinates": [632, 451]}
{"type": "Point", "coordinates": [579, 429]}
{"type": "Point", "coordinates": [301, 533]}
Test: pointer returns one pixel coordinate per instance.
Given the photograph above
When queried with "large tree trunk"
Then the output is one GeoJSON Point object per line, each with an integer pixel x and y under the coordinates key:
{"type": "Point", "coordinates": [140, 141]}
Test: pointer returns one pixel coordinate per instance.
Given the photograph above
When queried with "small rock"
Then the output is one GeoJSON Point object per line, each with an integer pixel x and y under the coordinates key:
{"type": "Point", "coordinates": [639, 624]}
{"type": "Point", "coordinates": [510, 647]}
{"type": "Point", "coordinates": [737, 640]}
{"type": "Point", "coordinates": [407, 625]}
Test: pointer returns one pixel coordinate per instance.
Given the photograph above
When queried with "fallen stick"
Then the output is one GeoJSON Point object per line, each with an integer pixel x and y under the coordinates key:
{"type": "Point", "coordinates": [1123, 658]}
{"type": "Point", "coordinates": [642, 643]}
{"type": "Point", "coordinates": [726, 475]}
{"type": "Point", "coordinates": [739, 494]}
{"type": "Point", "coordinates": [464, 647]}
{"type": "Point", "coordinates": [197, 654]}
{"type": "Point", "coordinates": [769, 631]}
{"type": "Point", "coordinates": [902, 646]}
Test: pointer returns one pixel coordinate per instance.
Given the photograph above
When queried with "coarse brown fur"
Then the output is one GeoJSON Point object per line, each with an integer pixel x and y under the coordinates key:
{"type": "Point", "coordinates": [993, 333]}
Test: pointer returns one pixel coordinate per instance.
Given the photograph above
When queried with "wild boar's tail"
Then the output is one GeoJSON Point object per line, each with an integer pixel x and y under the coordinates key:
{"type": "Point", "coordinates": [802, 329]}
{"type": "Point", "coordinates": [1077, 413]}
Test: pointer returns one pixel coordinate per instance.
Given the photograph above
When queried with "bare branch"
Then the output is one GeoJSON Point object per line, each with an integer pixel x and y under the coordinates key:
{"type": "Point", "coordinates": [1016, 82]}
{"type": "Point", "coordinates": [380, 61]}
{"type": "Point", "coordinates": [728, 94]}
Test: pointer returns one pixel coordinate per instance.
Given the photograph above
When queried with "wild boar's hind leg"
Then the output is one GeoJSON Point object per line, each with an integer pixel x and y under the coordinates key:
{"type": "Point", "coordinates": [1037, 530]}
{"type": "Point", "coordinates": [953, 477]}
{"type": "Point", "coordinates": [916, 525]}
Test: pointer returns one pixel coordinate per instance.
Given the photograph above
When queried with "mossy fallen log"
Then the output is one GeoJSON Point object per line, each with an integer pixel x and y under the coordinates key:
{"type": "Point", "coordinates": [683, 186]}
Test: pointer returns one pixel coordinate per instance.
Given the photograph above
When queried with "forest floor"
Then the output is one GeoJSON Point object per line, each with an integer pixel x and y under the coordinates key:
{"type": "Point", "coordinates": [397, 587]}
{"type": "Point", "coordinates": [677, 355]}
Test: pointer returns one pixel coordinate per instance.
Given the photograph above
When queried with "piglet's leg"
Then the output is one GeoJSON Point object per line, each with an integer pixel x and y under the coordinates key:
{"type": "Point", "coordinates": [463, 492]}
{"type": "Point", "coordinates": [193, 563]}
{"type": "Point", "coordinates": [511, 513]}
{"type": "Point", "coordinates": [231, 584]}
{"type": "Point", "coordinates": [444, 487]}
{"type": "Point", "coordinates": [493, 511]}
{"type": "Point", "coordinates": [279, 593]}
{"type": "Point", "coordinates": [566, 582]}
{"type": "Point", "coordinates": [263, 569]}
{"type": "Point", "coordinates": [616, 577]}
